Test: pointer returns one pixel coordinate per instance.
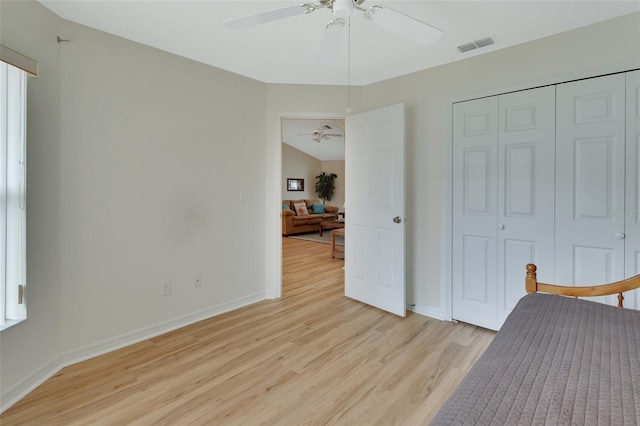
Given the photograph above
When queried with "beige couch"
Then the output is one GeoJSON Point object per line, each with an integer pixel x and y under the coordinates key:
{"type": "Point", "coordinates": [294, 223]}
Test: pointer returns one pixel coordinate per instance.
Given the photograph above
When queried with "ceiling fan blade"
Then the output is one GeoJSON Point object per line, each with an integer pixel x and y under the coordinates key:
{"type": "Point", "coordinates": [403, 25]}
{"type": "Point", "coordinates": [330, 41]}
{"type": "Point", "coordinates": [268, 16]}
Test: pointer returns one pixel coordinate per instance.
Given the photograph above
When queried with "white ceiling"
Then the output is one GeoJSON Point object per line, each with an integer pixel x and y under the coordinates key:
{"type": "Point", "coordinates": [297, 133]}
{"type": "Point", "coordinates": [285, 51]}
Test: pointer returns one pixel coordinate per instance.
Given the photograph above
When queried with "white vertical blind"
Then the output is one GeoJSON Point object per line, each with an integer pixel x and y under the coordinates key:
{"type": "Point", "coordinates": [13, 84]}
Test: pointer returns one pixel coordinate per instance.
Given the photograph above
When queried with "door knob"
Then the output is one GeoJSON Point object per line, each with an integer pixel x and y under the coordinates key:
{"type": "Point", "coordinates": [501, 227]}
{"type": "Point", "coordinates": [397, 219]}
{"type": "Point", "coordinates": [620, 235]}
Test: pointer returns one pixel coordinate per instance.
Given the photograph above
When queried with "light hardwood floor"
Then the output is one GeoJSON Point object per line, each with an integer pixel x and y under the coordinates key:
{"type": "Point", "coordinates": [311, 357]}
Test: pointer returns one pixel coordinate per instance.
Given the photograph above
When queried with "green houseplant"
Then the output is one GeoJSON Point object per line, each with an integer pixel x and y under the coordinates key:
{"type": "Point", "coordinates": [325, 186]}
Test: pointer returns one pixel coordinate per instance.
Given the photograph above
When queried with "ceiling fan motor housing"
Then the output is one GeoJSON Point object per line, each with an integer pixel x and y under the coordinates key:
{"type": "Point", "coordinates": [342, 8]}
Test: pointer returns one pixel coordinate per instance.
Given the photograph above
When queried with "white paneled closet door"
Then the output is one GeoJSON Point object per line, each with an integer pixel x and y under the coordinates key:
{"type": "Point", "coordinates": [632, 216]}
{"type": "Point", "coordinates": [475, 144]}
{"type": "Point", "coordinates": [590, 174]}
{"type": "Point", "coordinates": [526, 187]}
{"type": "Point", "coordinates": [503, 208]}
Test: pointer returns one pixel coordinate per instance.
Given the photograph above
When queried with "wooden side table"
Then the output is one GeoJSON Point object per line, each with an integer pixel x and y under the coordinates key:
{"type": "Point", "coordinates": [330, 224]}
{"type": "Point", "coordinates": [336, 250]}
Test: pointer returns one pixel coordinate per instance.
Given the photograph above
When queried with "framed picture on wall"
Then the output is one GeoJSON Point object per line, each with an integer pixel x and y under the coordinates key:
{"type": "Point", "coordinates": [295, 184]}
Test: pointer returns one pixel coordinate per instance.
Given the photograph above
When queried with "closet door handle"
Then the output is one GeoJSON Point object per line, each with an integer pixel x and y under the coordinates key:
{"type": "Point", "coordinates": [501, 227]}
{"type": "Point", "coordinates": [620, 235]}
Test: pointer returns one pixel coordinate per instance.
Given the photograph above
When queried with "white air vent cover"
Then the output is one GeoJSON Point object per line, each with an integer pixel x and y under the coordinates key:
{"type": "Point", "coordinates": [484, 42]}
{"type": "Point", "coordinates": [467, 47]}
{"type": "Point", "coordinates": [487, 41]}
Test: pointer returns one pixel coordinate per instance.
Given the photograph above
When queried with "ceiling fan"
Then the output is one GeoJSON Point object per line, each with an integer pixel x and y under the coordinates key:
{"type": "Point", "coordinates": [410, 28]}
{"type": "Point", "coordinates": [319, 134]}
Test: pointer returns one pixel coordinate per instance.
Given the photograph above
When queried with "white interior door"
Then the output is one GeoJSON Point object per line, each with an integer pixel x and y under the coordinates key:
{"type": "Point", "coordinates": [590, 175]}
{"type": "Point", "coordinates": [632, 217]}
{"type": "Point", "coordinates": [526, 188]}
{"type": "Point", "coordinates": [375, 209]}
{"type": "Point", "coordinates": [475, 143]}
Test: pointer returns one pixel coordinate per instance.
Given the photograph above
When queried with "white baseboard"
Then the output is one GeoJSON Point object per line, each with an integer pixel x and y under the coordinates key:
{"type": "Point", "coordinates": [19, 390]}
{"type": "Point", "coordinates": [428, 312]}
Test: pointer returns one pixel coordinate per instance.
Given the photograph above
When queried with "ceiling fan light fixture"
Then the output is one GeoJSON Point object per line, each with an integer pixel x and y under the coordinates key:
{"type": "Point", "coordinates": [339, 22]}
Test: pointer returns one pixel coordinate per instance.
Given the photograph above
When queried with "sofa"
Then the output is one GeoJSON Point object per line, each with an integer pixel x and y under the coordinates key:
{"type": "Point", "coordinates": [297, 220]}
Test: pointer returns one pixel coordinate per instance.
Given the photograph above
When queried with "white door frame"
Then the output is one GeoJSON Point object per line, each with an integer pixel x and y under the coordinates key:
{"type": "Point", "coordinates": [274, 238]}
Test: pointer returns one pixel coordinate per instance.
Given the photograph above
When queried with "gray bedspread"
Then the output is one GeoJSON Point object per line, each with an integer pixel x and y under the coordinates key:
{"type": "Point", "coordinates": [555, 361]}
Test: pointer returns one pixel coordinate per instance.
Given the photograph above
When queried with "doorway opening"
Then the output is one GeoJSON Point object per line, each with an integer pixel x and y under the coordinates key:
{"type": "Point", "coordinates": [309, 145]}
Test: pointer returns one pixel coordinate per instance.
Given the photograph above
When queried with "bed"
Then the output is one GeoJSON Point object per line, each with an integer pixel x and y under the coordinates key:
{"type": "Point", "coordinates": [556, 361]}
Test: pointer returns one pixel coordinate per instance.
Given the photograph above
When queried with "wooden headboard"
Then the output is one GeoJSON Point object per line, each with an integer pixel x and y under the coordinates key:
{"type": "Point", "coordinates": [533, 286]}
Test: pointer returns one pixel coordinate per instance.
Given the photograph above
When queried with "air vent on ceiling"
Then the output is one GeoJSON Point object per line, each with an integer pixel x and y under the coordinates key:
{"type": "Point", "coordinates": [487, 41]}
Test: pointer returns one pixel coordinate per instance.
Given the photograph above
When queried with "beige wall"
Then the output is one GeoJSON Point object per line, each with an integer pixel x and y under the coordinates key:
{"type": "Point", "coordinates": [139, 161]}
{"type": "Point", "coordinates": [299, 165]}
{"type": "Point", "coordinates": [156, 156]}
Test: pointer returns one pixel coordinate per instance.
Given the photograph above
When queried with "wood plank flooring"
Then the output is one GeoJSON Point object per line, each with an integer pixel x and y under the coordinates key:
{"type": "Point", "coordinates": [311, 357]}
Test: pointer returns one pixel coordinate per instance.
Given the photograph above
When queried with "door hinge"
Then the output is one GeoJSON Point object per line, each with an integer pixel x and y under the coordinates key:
{"type": "Point", "coordinates": [20, 294]}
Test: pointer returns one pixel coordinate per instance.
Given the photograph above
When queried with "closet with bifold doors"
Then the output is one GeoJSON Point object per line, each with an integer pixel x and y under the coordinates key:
{"type": "Point", "coordinates": [547, 176]}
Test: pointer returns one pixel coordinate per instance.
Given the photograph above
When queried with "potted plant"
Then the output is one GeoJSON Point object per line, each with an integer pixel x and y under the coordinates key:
{"type": "Point", "coordinates": [325, 186]}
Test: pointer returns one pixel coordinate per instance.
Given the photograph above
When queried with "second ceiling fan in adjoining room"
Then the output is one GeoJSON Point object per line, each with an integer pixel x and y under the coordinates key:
{"type": "Point", "coordinates": [324, 132]}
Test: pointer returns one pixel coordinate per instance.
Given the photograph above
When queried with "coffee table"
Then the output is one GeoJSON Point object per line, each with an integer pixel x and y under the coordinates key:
{"type": "Point", "coordinates": [331, 224]}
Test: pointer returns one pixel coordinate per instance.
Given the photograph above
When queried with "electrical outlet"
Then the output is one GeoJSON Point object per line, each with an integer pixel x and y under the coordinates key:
{"type": "Point", "coordinates": [197, 281]}
{"type": "Point", "coordinates": [165, 290]}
